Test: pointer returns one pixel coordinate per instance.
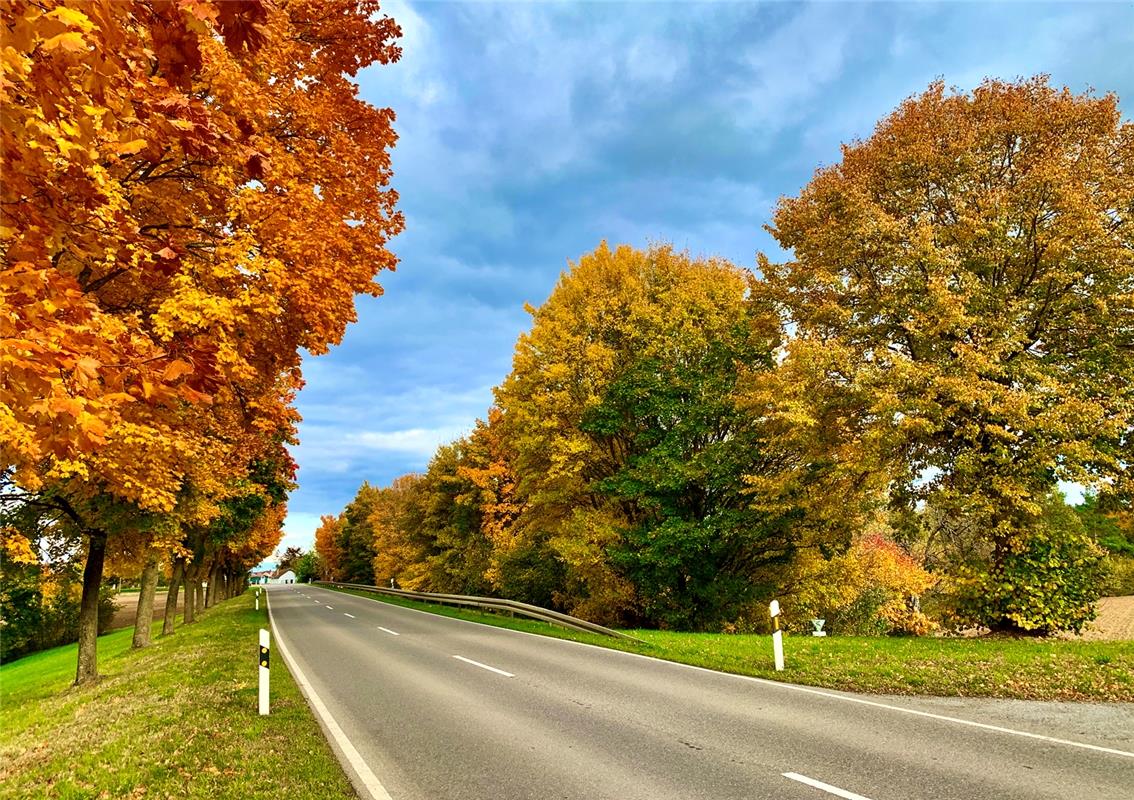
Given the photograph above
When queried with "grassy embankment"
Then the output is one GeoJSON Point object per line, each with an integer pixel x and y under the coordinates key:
{"type": "Point", "coordinates": [1033, 669]}
{"type": "Point", "coordinates": [175, 720]}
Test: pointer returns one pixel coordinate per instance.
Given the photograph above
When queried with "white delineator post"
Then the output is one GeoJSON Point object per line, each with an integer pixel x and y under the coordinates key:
{"type": "Point", "coordinates": [265, 652]}
{"type": "Point", "coordinates": [777, 635]}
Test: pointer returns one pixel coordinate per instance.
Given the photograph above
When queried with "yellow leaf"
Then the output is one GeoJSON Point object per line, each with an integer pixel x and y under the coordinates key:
{"type": "Point", "coordinates": [72, 18]}
{"type": "Point", "coordinates": [130, 148]}
{"type": "Point", "coordinates": [72, 42]}
{"type": "Point", "coordinates": [88, 366]}
{"type": "Point", "coordinates": [17, 62]}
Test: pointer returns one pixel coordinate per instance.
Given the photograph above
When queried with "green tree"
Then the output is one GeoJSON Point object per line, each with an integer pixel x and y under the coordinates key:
{"type": "Point", "coordinates": [1102, 521]}
{"type": "Point", "coordinates": [307, 567]}
{"type": "Point", "coordinates": [1109, 521]}
{"type": "Point", "coordinates": [354, 538]}
{"type": "Point", "coordinates": [697, 550]}
{"type": "Point", "coordinates": [627, 441]}
{"type": "Point", "coordinates": [1049, 583]}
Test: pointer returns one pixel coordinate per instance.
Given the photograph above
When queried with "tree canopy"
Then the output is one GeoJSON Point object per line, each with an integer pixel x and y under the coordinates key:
{"type": "Point", "coordinates": [193, 194]}
{"type": "Point", "coordinates": [874, 429]}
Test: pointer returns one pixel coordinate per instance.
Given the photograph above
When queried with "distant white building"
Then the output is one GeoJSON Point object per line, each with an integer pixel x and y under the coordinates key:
{"type": "Point", "coordinates": [287, 576]}
{"type": "Point", "coordinates": [260, 578]}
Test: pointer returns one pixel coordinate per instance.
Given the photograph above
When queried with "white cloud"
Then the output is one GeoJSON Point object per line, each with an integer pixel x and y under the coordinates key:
{"type": "Point", "coordinates": [422, 442]}
{"type": "Point", "coordinates": [791, 67]}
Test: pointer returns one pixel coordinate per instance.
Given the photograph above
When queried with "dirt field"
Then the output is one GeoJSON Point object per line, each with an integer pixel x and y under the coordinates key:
{"type": "Point", "coordinates": [1115, 620]}
{"type": "Point", "coordinates": [127, 603]}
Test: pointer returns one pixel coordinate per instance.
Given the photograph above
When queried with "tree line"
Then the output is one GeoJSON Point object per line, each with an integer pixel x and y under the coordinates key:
{"type": "Point", "coordinates": [193, 194]}
{"type": "Point", "coordinates": [874, 430]}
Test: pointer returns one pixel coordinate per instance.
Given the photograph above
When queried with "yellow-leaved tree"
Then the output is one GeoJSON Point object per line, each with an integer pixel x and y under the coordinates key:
{"type": "Point", "coordinates": [961, 290]}
{"type": "Point", "coordinates": [628, 445]}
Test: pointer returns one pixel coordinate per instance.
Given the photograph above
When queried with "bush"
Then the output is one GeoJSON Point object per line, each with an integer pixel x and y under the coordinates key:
{"type": "Point", "coordinates": [1047, 582]}
{"type": "Point", "coordinates": [872, 589]}
{"type": "Point", "coordinates": [307, 567]}
{"type": "Point", "coordinates": [1118, 578]}
{"type": "Point", "coordinates": [39, 605]}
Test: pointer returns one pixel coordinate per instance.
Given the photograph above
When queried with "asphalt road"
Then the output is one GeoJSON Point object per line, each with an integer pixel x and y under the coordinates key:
{"type": "Point", "coordinates": [445, 709]}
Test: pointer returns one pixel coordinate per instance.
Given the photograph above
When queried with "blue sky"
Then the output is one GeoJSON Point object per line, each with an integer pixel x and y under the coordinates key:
{"type": "Point", "coordinates": [531, 132]}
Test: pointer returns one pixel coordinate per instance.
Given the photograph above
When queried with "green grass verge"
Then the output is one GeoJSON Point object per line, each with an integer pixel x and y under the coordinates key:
{"type": "Point", "coordinates": [1030, 669]}
{"type": "Point", "coordinates": [175, 720]}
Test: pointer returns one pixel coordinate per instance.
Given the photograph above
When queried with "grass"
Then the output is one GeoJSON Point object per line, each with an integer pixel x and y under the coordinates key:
{"type": "Point", "coordinates": [175, 720]}
{"type": "Point", "coordinates": [1031, 669]}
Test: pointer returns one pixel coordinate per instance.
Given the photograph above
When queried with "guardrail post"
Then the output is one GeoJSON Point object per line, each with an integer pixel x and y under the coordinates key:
{"type": "Point", "coordinates": [777, 635]}
{"type": "Point", "coordinates": [265, 657]}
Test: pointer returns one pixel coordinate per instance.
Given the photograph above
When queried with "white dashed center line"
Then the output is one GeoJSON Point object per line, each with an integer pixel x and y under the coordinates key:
{"type": "Point", "coordinates": [485, 666]}
{"type": "Point", "coordinates": [331, 607]}
{"type": "Point", "coordinates": [387, 630]}
{"type": "Point", "coordinates": [825, 787]}
{"type": "Point", "coordinates": [348, 615]}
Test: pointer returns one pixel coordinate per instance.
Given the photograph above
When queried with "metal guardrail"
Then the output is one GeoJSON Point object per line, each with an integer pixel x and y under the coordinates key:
{"type": "Point", "coordinates": [492, 604]}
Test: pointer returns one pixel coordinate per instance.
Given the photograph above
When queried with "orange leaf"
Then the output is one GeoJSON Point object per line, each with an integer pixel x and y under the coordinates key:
{"type": "Point", "coordinates": [72, 42]}
{"type": "Point", "coordinates": [130, 148]}
{"type": "Point", "coordinates": [175, 370]}
{"type": "Point", "coordinates": [88, 366]}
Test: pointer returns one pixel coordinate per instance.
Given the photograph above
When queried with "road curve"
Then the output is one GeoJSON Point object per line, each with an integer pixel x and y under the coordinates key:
{"type": "Point", "coordinates": [442, 708]}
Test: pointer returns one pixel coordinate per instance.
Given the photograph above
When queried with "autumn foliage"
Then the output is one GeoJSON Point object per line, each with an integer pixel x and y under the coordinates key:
{"type": "Point", "coordinates": [193, 193]}
{"type": "Point", "coordinates": [872, 430]}
{"type": "Point", "coordinates": [961, 296]}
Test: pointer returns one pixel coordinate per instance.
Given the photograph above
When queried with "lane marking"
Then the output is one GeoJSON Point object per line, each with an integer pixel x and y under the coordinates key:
{"type": "Point", "coordinates": [369, 780]}
{"type": "Point", "coordinates": [825, 787]}
{"type": "Point", "coordinates": [788, 686]}
{"type": "Point", "coordinates": [387, 630]}
{"type": "Point", "coordinates": [346, 614]}
{"type": "Point", "coordinates": [485, 666]}
{"type": "Point", "coordinates": [331, 607]}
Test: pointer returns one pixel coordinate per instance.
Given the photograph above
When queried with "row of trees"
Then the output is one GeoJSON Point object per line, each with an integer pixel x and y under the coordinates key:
{"type": "Point", "coordinates": [193, 194]}
{"type": "Point", "coordinates": [875, 428]}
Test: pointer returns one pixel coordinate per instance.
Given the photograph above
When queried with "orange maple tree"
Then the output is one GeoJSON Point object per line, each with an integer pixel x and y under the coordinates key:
{"type": "Point", "coordinates": [330, 554]}
{"type": "Point", "coordinates": [193, 192]}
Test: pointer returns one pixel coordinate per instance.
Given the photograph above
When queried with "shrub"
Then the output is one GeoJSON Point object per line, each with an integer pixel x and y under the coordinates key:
{"type": "Point", "coordinates": [1119, 576]}
{"type": "Point", "coordinates": [1047, 582]}
{"type": "Point", "coordinates": [39, 603]}
{"type": "Point", "coordinates": [871, 589]}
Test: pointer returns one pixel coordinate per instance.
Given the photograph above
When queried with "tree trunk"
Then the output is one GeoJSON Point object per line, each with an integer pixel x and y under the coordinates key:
{"type": "Point", "coordinates": [189, 610]}
{"type": "Point", "coordinates": [145, 616]}
{"type": "Point", "coordinates": [199, 590]}
{"type": "Point", "coordinates": [87, 670]}
{"type": "Point", "coordinates": [211, 598]}
{"type": "Point", "coordinates": [175, 577]}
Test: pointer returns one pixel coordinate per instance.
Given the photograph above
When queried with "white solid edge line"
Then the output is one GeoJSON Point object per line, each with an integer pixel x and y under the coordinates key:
{"type": "Point", "coordinates": [826, 787]}
{"type": "Point", "coordinates": [387, 630]}
{"type": "Point", "coordinates": [485, 666]}
{"type": "Point", "coordinates": [789, 686]}
{"type": "Point", "coordinates": [369, 780]}
{"type": "Point", "coordinates": [348, 615]}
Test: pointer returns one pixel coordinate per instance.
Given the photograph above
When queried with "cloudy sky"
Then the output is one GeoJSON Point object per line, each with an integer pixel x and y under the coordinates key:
{"type": "Point", "coordinates": [530, 132]}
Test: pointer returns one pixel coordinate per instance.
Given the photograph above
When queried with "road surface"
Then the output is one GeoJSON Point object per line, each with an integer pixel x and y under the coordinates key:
{"type": "Point", "coordinates": [438, 708]}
